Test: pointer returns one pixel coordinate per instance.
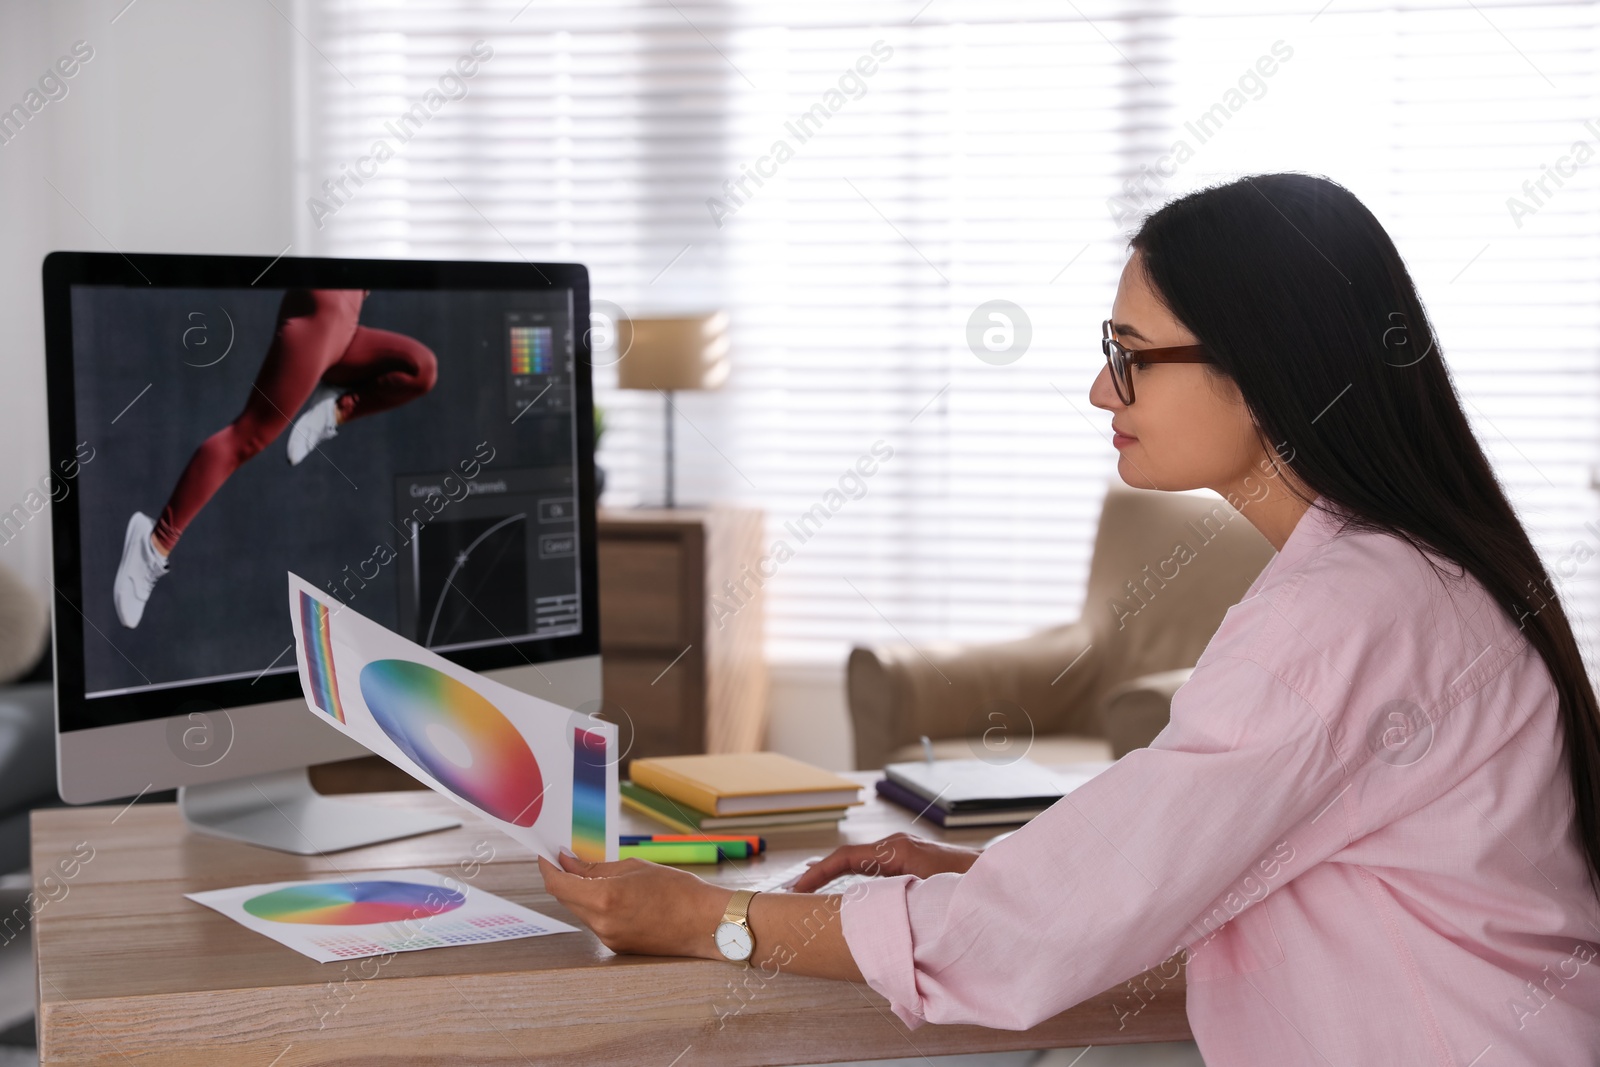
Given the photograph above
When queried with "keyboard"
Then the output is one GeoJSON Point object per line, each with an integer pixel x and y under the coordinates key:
{"type": "Point", "coordinates": [784, 880]}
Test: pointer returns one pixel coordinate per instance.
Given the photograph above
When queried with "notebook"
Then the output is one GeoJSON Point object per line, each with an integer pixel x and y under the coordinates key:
{"type": "Point", "coordinates": [937, 815]}
{"type": "Point", "coordinates": [964, 785]}
{"type": "Point", "coordinates": [744, 783]}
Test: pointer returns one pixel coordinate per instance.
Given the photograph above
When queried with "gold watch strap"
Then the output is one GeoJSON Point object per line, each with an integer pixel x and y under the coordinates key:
{"type": "Point", "coordinates": [739, 907]}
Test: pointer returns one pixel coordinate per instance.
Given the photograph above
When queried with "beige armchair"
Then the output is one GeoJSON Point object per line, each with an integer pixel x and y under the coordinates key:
{"type": "Point", "coordinates": [1166, 568]}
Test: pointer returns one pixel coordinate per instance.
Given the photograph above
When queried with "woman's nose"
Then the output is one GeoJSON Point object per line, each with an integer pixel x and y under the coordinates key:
{"type": "Point", "coordinates": [1102, 394]}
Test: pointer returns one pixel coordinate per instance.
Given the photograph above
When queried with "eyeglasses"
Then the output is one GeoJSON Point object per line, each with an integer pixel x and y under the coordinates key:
{"type": "Point", "coordinates": [1122, 360]}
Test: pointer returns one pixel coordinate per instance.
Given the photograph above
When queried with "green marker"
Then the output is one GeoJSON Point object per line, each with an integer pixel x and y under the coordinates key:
{"type": "Point", "coordinates": [673, 851]}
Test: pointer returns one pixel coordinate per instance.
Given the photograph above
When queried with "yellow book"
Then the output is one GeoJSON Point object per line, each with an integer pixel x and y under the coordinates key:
{"type": "Point", "coordinates": [744, 783]}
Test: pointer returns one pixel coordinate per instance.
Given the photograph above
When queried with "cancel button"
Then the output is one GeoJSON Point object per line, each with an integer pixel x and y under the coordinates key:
{"type": "Point", "coordinates": [554, 546]}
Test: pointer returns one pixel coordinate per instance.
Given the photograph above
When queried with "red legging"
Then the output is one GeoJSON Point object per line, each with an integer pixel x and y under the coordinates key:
{"type": "Point", "coordinates": [318, 340]}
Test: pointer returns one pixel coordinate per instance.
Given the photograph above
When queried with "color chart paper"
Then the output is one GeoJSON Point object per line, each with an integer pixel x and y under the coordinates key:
{"type": "Point", "coordinates": [376, 913]}
{"type": "Point", "coordinates": [540, 773]}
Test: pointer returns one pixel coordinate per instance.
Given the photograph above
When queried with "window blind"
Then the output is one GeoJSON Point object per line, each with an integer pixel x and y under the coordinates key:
{"type": "Point", "coordinates": [859, 184]}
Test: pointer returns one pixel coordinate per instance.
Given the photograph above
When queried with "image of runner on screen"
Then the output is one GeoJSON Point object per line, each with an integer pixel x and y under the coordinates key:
{"type": "Point", "coordinates": [320, 359]}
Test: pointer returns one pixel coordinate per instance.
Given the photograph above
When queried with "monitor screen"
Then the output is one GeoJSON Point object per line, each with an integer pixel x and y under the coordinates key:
{"type": "Point", "coordinates": [414, 438]}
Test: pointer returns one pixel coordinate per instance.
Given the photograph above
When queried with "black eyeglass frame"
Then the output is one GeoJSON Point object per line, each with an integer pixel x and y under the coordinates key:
{"type": "Point", "coordinates": [1120, 359]}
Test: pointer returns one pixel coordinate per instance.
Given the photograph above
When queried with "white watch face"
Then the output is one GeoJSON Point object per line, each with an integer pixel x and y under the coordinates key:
{"type": "Point", "coordinates": [734, 941]}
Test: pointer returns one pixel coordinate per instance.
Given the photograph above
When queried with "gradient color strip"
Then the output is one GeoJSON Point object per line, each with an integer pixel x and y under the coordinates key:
{"type": "Point", "coordinates": [318, 641]}
{"type": "Point", "coordinates": [588, 794]}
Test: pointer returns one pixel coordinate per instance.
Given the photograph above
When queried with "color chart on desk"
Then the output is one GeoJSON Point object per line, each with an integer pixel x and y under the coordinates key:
{"type": "Point", "coordinates": [397, 911]}
{"type": "Point", "coordinates": [542, 774]}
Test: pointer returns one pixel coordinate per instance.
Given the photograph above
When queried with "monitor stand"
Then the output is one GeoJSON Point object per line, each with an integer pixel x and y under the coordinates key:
{"type": "Point", "coordinates": [282, 811]}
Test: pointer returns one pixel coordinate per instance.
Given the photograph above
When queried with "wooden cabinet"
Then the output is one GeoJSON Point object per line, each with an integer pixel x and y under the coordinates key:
{"type": "Point", "coordinates": [681, 629]}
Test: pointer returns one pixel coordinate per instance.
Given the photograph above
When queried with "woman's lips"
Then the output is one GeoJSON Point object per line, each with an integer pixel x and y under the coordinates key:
{"type": "Point", "coordinates": [1120, 440]}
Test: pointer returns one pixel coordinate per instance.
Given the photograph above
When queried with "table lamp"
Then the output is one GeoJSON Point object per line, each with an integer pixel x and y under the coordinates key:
{"type": "Point", "coordinates": [672, 353]}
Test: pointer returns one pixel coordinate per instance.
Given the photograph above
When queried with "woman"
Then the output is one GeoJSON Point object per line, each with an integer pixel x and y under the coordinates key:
{"type": "Point", "coordinates": [1371, 824]}
{"type": "Point", "coordinates": [321, 357]}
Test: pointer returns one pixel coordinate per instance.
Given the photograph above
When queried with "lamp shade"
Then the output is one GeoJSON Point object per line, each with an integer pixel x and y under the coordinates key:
{"type": "Point", "coordinates": [680, 352]}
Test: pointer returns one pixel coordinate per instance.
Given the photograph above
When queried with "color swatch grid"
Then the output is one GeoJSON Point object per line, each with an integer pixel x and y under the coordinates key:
{"type": "Point", "coordinates": [530, 350]}
{"type": "Point", "coordinates": [318, 638]}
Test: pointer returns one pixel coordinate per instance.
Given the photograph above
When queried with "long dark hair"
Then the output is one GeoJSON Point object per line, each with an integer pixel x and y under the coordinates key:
{"type": "Point", "coordinates": [1306, 305]}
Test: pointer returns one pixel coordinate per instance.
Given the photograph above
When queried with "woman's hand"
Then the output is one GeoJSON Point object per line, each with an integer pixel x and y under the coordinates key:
{"type": "Point", "coordinates": [899, 853]}
{"type": "Point", "coordinates": [634, 905]}
{"type": "Point", "coordinates": [637, 906]}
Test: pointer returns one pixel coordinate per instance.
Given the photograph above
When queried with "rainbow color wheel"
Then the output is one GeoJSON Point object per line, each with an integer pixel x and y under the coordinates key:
{"type": "Point", "coordinates": [353, 903]}
{"type": "Point", "coordinates": [452, 731]}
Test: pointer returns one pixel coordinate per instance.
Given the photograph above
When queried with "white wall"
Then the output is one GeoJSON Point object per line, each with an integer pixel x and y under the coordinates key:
{"type": "Point", "coordinates": [174, 137]}
{"type": "Point", "coordinates": [808, 716]}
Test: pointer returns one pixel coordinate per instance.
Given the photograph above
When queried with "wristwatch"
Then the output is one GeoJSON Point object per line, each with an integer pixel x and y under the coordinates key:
{"type": "Point", "coordinates": [733, 936]}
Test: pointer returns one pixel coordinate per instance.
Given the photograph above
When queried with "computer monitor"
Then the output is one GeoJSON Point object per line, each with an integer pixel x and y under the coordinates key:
{"type": "Point", "coordinates": [415, 437]}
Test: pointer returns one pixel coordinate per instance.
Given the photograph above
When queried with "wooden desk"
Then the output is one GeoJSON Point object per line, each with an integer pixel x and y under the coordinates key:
{"type": "Point", "coordinates": [132, 973]}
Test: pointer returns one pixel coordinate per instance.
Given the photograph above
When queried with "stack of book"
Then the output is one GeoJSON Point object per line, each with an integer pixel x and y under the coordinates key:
{"type": "Point", "coordinates": [970, 792]}
{"type": "Point", "coordinates": [738, 791]}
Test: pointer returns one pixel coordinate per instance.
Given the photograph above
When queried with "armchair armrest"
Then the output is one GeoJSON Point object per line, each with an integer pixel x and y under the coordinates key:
{"type": "Point", "coordinates": [24, 628]}
{"type": "Point", "coordinates": [1134, 712]}
{"type": "Point", "coordinates": [898, 692]}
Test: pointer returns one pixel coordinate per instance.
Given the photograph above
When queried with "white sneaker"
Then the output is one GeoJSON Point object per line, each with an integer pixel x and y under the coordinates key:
{"type": "Point", "coordinates": [136, 575]}
{"type": "Point", "coordinates": [318, 423]}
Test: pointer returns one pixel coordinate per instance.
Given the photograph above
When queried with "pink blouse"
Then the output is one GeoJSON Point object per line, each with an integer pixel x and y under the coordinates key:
{"type": "Point", "coordinates": [1358, 823]}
